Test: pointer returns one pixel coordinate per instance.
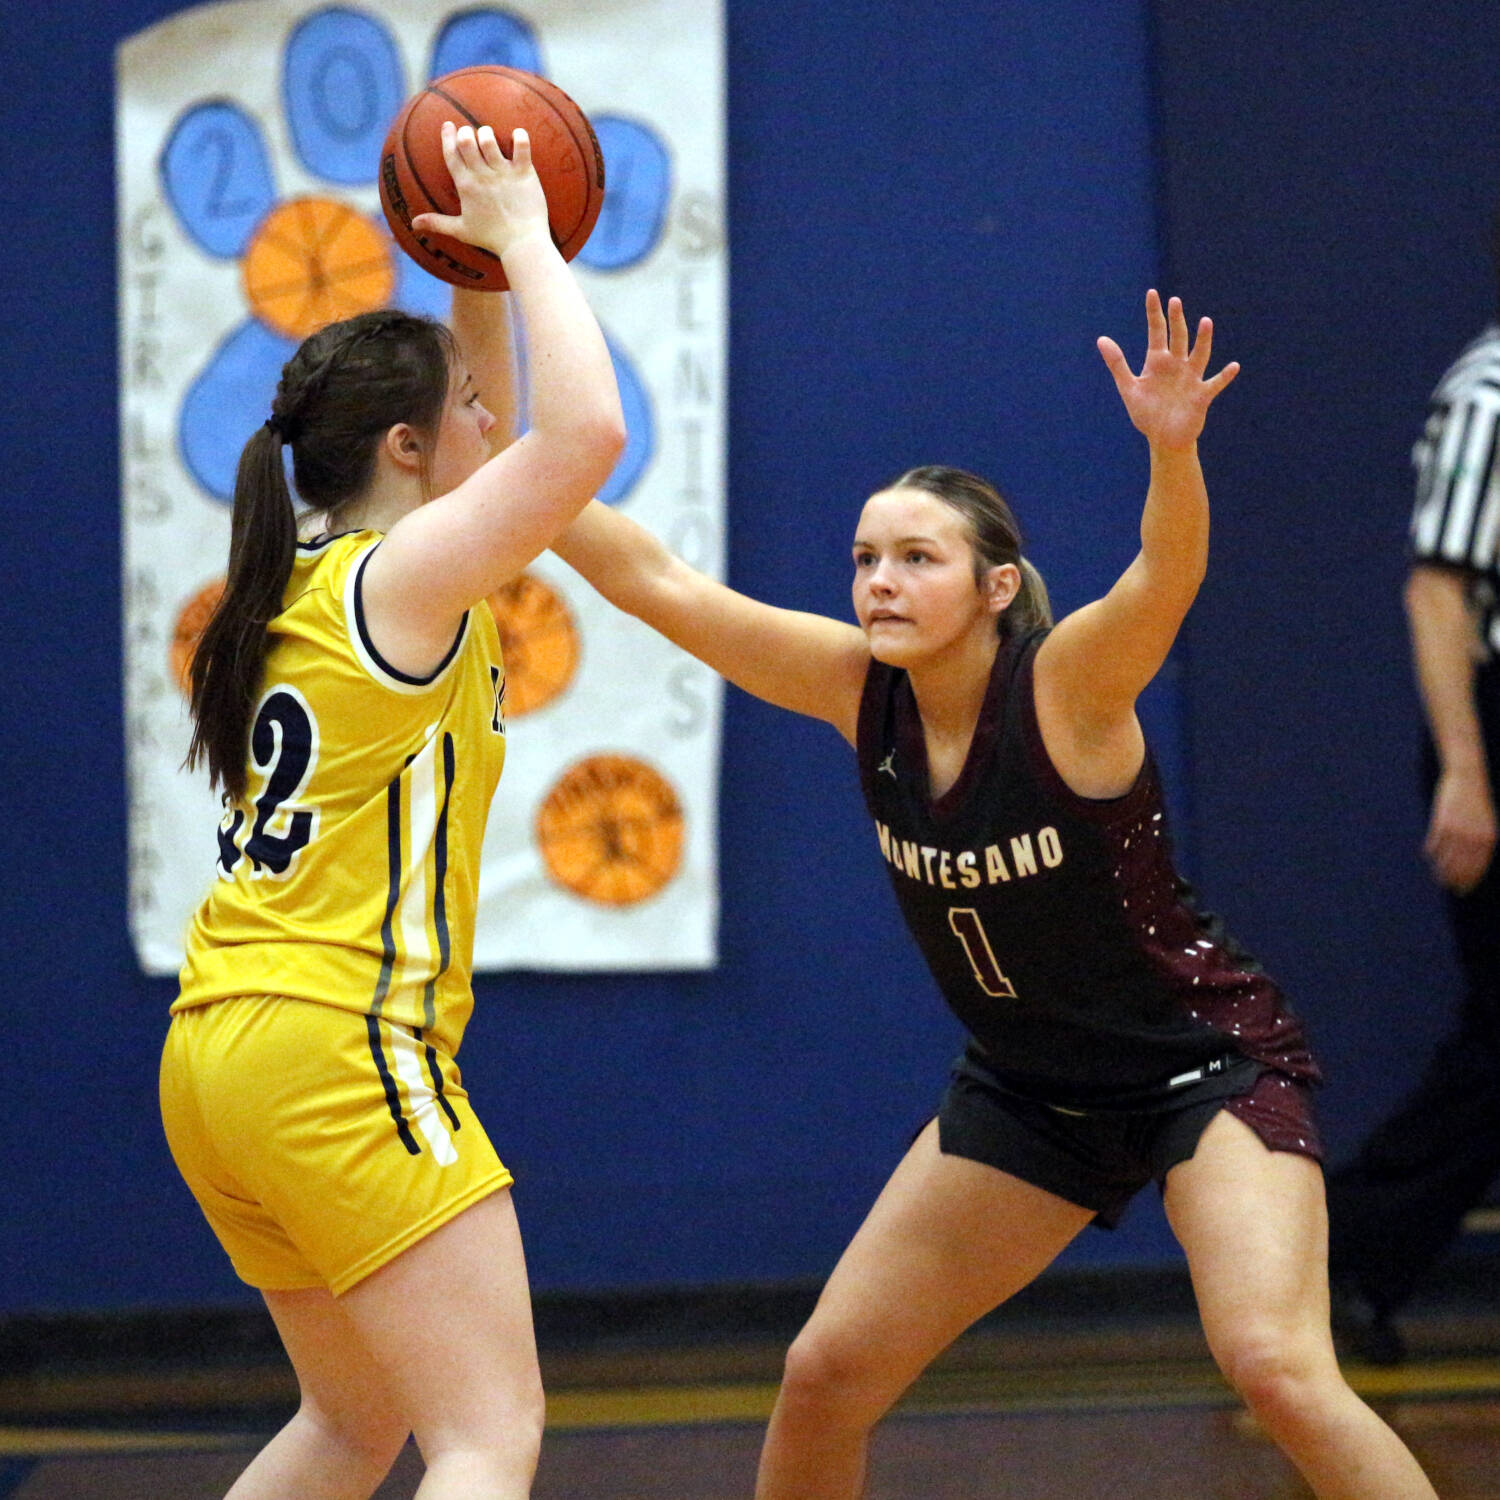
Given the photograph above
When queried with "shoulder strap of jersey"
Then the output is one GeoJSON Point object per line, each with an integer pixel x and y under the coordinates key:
{"type": "Point", "coordinates": [871, 727]}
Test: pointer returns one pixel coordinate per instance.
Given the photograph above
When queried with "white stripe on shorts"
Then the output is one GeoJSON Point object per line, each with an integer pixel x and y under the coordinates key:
{"type": "Point", "coordinates": [421, 1101]}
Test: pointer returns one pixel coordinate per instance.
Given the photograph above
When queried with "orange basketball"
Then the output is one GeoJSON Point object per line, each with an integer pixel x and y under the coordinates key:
{"type": "Point", "coordinates": [414, 178]}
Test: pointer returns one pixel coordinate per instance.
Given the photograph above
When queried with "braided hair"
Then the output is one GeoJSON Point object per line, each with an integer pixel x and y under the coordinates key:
{"type": "Point", "coordinates": [346, 386]}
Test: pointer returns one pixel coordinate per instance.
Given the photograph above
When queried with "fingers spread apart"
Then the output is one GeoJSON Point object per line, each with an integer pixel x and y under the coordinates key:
{"type": "Point", "coordinates": [1156, 323]}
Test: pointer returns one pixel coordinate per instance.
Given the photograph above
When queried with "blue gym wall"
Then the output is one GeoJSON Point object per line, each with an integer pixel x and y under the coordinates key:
{"type": "Point", "coordinates": [930, 222]}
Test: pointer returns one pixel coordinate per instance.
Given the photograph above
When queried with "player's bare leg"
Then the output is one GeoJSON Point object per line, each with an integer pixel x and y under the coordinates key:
{"type": "Point", "coordinates": [450, 1322]}
{"type": "Point", "coordinates": [347, 1430]}
{"type": "Point", "coordinates": [910, 1282]}
{"type": "Point", "coordinates": [1255, 1230]}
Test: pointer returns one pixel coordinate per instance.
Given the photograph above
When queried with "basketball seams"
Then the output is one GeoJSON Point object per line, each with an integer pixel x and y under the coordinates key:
{"type": "Point", "coordinates": [593, 156]}
{"type": "Point", "coordinates": [406, 152]}
{"type": "Point", "coordinates": [565, 149]}
{"type": "Point", "coordinates": [587, 157]}
{"type": "Point", "coordinates": [416, 176]}
{"type": "Point", "coordinates": [406, 155]}
{"type": "Point", "coordinates": [462, 108]}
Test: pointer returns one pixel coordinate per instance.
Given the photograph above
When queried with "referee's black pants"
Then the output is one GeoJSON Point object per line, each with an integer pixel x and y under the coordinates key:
{"type": "Point", "coordinates": [1400, 1203]}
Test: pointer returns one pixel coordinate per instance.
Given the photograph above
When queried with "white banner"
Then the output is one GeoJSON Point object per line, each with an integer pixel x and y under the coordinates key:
{"type": "Point", "coordinates": [247, 140]}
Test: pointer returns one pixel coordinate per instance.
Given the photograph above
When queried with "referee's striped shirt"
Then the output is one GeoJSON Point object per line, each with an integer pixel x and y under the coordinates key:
{"type": "Point", "coordinates": [1456, 522]}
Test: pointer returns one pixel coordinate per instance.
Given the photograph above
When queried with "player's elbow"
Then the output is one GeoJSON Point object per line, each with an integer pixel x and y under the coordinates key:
{"type": "Point", "coordinates": [579, 455]}
{"type": "Point", "coordinates": [598, 425]}
{"type": "Point", "coordinates": [658, 588]}
{"type": "Point", "coordinates": [598, 439]}
{"type": "Point", "coordinates": [1161, 590]}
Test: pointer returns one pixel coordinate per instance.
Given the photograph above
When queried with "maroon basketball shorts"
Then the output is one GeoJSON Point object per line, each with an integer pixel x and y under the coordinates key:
{"type": "Point", "coordinates": [1101, 1158]}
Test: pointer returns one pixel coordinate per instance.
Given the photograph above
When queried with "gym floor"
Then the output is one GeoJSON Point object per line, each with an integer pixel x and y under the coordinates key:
{"type": "Point", "coordinates": [1083, 1386]}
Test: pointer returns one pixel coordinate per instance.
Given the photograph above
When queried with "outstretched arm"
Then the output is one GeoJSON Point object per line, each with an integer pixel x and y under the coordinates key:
{"type": "Point", "coordinates": [804, 662]}
{"type": "Point", "coordinates": [1094, 665]}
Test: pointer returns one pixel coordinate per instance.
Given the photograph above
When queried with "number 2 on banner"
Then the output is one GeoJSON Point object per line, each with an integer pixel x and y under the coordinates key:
{"type": "Point", "coordinates": [964, 921]}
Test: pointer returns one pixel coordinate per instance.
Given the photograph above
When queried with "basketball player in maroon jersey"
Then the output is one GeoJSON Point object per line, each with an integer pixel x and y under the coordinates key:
{"type": "Point", "coordinates": [1118, 1035]}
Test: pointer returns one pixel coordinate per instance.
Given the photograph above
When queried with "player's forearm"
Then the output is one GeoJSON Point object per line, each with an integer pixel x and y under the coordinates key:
{"type": "Point", "coordinates": [573, 396]}
{"type": "Point", "coordinates": [622, 560]}
{"type": "Point", "coordinates": [1174, 526]}
{"type": "Point", "coordinates": [1442, 633]}
{"type": "Point", "coordinates": [481, 323]}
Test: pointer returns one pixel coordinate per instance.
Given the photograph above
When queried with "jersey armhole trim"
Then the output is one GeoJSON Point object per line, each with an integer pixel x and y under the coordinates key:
{"type": "Point", "coordinates": [364, 648]}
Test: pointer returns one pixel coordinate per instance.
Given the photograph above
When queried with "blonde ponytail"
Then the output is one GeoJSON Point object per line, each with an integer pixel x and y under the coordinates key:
{"type": "Point", "coordinates": [1031, 609]}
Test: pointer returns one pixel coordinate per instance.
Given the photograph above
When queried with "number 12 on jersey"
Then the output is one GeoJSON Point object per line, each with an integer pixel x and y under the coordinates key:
{"type": "Point", "coordinates": [284, 749]}
{"type": "Point", "coordinates": [969, 930]}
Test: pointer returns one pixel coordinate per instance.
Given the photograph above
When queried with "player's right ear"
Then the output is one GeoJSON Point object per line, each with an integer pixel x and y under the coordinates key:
{"type": "Point", "coordinates": [1001, 585]}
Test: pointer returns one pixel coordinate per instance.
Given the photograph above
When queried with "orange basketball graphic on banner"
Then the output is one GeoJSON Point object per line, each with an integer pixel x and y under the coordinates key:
{"type": "Point", "coordinates": [539, 641]}
{"type": "Point", "coordinates": [313, 261]}
{"type": "Point", "coordinates": [610, 830]}
{"type": "Point", "coordinates": [191, 619]}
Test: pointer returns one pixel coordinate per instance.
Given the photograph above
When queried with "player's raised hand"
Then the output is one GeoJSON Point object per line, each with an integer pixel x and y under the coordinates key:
{"type": "Point", "coordinates": [501, 201]}
{"type": "Point", "coordinates": [1169, 399]}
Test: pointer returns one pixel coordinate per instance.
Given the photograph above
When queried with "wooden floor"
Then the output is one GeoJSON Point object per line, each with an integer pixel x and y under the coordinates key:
{"type": "Point", "coordinates": [1059, 1407]}
{"type": "Point", "coordinates": [1195, 1448]}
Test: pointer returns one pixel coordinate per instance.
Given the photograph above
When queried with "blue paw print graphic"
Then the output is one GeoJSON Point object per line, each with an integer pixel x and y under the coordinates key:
{"type": "Point", "coordinates": [310, 260]}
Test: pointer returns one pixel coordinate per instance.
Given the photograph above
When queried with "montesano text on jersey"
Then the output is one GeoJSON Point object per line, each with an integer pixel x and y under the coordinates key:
{"type": "Point", "coordinates": [1055, 925]}
{"type": "Point", "coordinates": [349, 872]}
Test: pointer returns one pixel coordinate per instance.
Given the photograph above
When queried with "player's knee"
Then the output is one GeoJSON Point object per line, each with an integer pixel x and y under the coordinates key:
{"type": "Point", "coordinates": [368, 1438]}
{"type": "Point", "coordinates": [1275, 1370]}
{"type": "Point", "coordinates": [504, 1427]}
{"type": "Point", "coordinates": [831, 1376]}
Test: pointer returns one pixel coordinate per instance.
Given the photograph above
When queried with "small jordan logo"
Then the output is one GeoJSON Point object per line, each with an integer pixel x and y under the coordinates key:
{"type": "Point", "coordinates": [888, 765]}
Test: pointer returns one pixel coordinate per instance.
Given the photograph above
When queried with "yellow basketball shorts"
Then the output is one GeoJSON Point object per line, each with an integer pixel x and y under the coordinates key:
{"type": "Point", "coordinates": [320, 1143]}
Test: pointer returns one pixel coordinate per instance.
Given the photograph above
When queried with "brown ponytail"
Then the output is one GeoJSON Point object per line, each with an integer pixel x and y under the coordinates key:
{"type": "Point", "coordinates": [339, 394]}
{"type": "Point", "coordinates": [995, 535]}
{"type": "Point", "coordinates": [227, 662]}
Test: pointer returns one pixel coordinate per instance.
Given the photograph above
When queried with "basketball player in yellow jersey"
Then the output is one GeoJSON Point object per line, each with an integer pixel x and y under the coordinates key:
{"type": "Point", "coordinates": [367, 772]}
{"type": "Point", "coordinates": [348, 698]}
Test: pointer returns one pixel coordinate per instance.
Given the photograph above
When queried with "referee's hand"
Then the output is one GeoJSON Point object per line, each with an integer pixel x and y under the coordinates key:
{"type": "Point", "coordinates": [1461, 832]}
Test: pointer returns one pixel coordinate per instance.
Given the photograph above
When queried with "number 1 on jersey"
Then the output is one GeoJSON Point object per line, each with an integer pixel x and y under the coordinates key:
{"type": "Point", "coordinates": [969, 930]}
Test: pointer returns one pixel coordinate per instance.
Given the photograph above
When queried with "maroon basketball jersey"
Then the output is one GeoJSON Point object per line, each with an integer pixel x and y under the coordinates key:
{"type": "Point", "coordinates": [1055, 925]}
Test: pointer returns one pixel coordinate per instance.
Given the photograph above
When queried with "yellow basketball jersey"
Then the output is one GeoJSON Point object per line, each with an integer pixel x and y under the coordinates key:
{"type": "Point", "coordinates": [349, 872]}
